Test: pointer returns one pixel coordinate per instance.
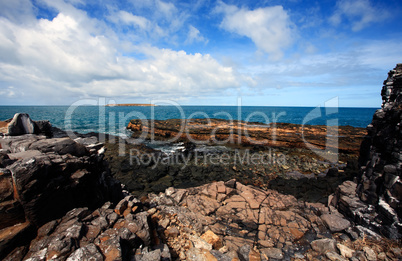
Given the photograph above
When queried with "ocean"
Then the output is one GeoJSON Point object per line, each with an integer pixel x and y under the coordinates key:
{"type": "Point", "coordinates": [113, 120]}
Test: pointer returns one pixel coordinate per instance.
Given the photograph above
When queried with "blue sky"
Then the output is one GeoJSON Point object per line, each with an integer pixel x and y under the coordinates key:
{"type": "Point", "coordinates": [268, 53]}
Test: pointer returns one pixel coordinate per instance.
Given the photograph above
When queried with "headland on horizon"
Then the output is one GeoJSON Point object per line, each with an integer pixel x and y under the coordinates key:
{"type": "Point", "coordinates": [129, 104]}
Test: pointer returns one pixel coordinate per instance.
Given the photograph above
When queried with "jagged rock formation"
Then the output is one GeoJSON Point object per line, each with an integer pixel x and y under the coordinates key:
{"type": "Point", "coordinates": [380, 183]}
{"type": "Point", "coordinates": [42, 178]}
{"type": "Point", "coordinates": [375, 201]}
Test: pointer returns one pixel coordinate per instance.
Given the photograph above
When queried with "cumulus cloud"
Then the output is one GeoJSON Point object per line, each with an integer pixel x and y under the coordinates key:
{"type": "Point", "coordinates": [360, 13]}
{"type": "Point", "coordinates": [269, 27]}
{"type": "Point", "coordinates": [74, 56]}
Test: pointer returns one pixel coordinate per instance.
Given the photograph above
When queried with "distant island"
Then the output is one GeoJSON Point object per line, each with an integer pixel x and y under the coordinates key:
{"type": "Point", "coordinates": [130, 104]}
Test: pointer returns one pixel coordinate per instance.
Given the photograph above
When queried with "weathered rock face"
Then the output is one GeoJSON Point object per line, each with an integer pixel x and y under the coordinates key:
{"type": "Point", "coordinates": [42, 178]}
{"type": "Point", "coordinates": [380, 183]}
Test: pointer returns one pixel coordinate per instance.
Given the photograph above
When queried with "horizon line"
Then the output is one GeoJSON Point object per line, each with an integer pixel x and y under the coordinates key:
{"type": "Point", "coordinates": [108, 105]}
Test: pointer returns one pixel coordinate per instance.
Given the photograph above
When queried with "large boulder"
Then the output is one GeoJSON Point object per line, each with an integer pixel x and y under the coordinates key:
{"type": "Point", "coordinates": [22, 124]}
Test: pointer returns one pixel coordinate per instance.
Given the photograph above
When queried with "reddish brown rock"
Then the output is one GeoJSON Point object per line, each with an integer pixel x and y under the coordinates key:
{"type": "Point", "coordinates": [199, 254]}
{"type": "Point", "coordinates": [211, 238]}
{"type": "Point", "coordinates": [297, 234]}
{"type": "Point", "coordinates": [109, 244]}
{"type": "Point", "coordinates": [280, 135]}
{"type": "Point", "coordinates": [14, 235]}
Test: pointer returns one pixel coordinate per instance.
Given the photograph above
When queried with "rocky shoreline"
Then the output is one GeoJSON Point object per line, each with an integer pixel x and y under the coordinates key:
{"type": "Point", "coordinates": [61, 198]}
{"type": "Point", "coordinates": [201, 160]}
{"type": "Point", "coordinates": [249, 134]}
{"type": "Point", "coordinates": [215, 221]}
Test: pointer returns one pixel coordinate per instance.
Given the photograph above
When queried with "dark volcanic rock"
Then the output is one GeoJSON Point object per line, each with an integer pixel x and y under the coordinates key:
{"type": "Point", "coordinates": [375, 202]}
{"type": "Point", "coordinates": [21, 124]}
{"type": "Point", "coordinates": [380, 182]}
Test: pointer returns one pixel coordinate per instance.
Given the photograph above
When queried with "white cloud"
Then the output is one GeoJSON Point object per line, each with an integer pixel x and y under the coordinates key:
{"type": "Point", "coordinates": [166, 73]}
{"type": "Point", "coordinates": [360, 13]}
{"type": "Point", "coordinates": [194, 35]}
{"type": "Point", "coordinates": [381, 53]}
{"type": "Point", "coordinates": [73, 56]}
{"type": "Point", "coordinates": [269, 27]}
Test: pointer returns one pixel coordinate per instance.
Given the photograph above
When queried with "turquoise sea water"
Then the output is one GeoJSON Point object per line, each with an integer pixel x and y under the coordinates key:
{"type": "Point", "coordinates": [113, 120]}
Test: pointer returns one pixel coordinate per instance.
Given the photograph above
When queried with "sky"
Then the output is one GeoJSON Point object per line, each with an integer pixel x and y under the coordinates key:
{"type": "Point", "coordinates": [200, 52]}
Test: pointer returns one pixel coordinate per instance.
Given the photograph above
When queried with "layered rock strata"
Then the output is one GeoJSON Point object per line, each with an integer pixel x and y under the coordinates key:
{"type": "Point", "coordinates": [218, 131]}
{"type": "Point", "coordinates": [380, 183]}
{"type": "Point", "coordinates": [42, 178]}
{"type": "Point", "coordinates": [375, 201]}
